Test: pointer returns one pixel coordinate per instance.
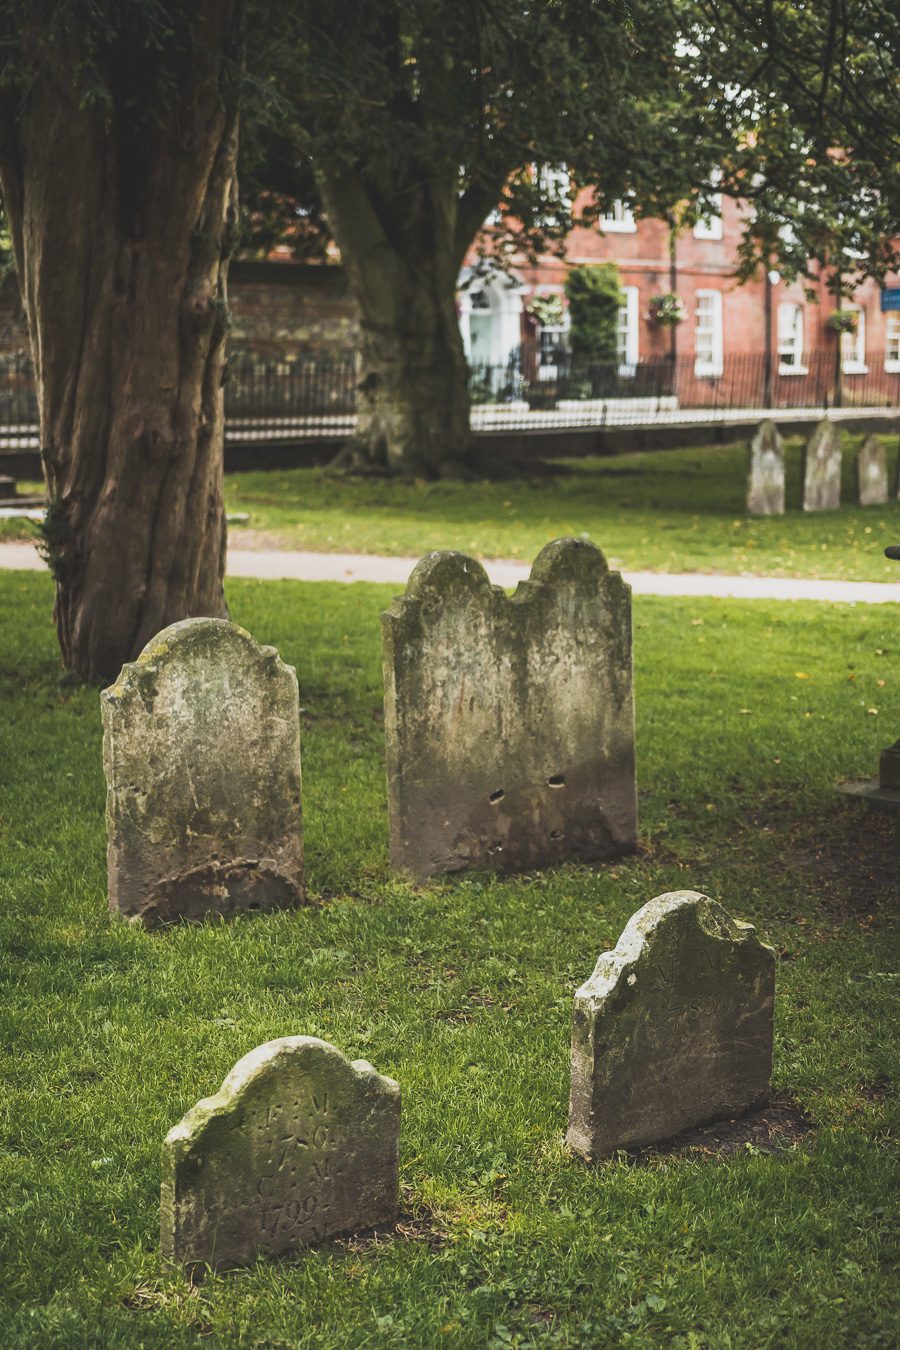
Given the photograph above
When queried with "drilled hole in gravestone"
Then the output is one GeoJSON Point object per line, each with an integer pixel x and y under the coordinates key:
{"type": "Point", "coordinates": [497, 795]}
{"type": "Point", "coordinates": [557, 780]}
{"type": "Point", "coordinates": [557, 834]}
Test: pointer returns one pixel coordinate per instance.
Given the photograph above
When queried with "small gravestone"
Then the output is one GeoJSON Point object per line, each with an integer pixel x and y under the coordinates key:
{"type": "Point", "coordinates": [510, 721]}
{"type": "Point", "coordinates": [7, 488]}
{"type": "Point", "coordinates": [201, 749]}
{"type": "Point", "coordinates": [765, 486]}
{"type": "Point", "coordinates": [298, 1145]}
{"type": "Point", "coordinates": [822, 468]}
{"type": "Point", "coordinates": [673, 1029]}
{"type": "Point", "coordinates": [871, 472]}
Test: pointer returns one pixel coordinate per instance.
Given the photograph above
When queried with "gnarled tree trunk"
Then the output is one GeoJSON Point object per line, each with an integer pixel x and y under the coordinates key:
{"type": "Point", "coordinates": [120, 215]}
{"type": "Point", "coordinates": [402, 257]}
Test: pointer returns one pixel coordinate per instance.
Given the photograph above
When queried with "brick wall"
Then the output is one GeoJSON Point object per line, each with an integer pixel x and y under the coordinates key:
{"type": "Point", "coordinates": [276, 308]}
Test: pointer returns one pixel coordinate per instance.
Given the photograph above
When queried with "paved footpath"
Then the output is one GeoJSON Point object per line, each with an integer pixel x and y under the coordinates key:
{"type": "Point", "coordinates": [275, 565]}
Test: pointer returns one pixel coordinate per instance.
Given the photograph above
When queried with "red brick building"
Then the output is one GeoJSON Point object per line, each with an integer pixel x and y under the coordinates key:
{"type": "Point", "coordinates": [722, 319]}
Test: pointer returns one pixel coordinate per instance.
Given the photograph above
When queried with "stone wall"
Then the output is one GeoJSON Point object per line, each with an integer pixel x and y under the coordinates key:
{"type": "Point", "coordinates": [277, 309]}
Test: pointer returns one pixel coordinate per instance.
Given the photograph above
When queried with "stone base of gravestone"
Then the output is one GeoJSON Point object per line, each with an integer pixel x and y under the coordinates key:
{"type": "Point", "coordinates": [201, 749]}
{"type": "Point", "coordinates": [871, 472]}
{"type": "Point", "coordinates": [883, 791]}
{"type": "Point", "coordinates": [298, 1145]}
{"type": "Point", "coordinates": [822, 468]}
{"type": "Point", "coordinates": [765, 479]}
{"type": "Point", "coordinates": [673, 1029]}
{"type": "Point", "coordinates": [509, 722]}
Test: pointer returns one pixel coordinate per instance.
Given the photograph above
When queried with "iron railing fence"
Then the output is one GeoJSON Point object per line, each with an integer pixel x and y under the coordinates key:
{"type": "Point", "coordinates": [314, 394]}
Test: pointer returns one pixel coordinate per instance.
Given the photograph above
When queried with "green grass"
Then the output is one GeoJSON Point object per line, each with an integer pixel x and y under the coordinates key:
{"type": "Point", "coordinates": [668, 511]}
{"type": "Point", "coordinates": [462, 990]}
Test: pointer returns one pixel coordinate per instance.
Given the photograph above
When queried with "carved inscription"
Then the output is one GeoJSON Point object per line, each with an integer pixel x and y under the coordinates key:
{"type": "Point", "coordinates": [299, 1145]}
{"type": "Point", "coordinates": [304, 1140]}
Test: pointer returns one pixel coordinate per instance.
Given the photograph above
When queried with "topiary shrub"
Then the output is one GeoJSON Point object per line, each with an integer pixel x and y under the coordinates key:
{"type": "Point", "coordinates": [594, 296]}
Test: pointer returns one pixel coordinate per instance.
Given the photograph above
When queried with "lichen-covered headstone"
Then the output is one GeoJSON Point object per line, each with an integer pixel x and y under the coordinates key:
{"type": "Point", "coordinates": [673, 1029]}
{"type": "Point", "coordinates": [201, 749]}
{"type": "Point", "coordinates": [822, 468]}
{"type": "Point", "coordinates": [510, 721]}
{"type": "Point", "coordinates": [765, 481]}
{"type": "Point", "coordinates": [871, 472]}
{"type": "Point", "coordinates": [298, 1145]}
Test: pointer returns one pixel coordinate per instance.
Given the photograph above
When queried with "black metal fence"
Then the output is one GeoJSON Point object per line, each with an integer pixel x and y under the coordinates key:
{"type": "Point", "coordinates": [313, 394]}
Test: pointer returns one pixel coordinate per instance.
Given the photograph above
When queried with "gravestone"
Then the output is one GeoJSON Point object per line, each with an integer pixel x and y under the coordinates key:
{"type": "Point", "coordinates": [201, 749]}
{"type": "Point", "coordinates": [509, 722]}
{"type": "Point", "coordinates": [822, 468]}
{"type": "Point", "coordinates": [871, 472]}
{"type": "Point", "coordinates": [765, 486]}
{"type": "Point", "coordinates": [673, 1029]}
{"type": "Point", "coordinates": [298, 1145]}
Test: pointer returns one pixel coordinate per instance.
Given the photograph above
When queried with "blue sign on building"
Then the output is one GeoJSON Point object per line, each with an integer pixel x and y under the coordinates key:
{"type": "Point", "coordinates": [890, 298]}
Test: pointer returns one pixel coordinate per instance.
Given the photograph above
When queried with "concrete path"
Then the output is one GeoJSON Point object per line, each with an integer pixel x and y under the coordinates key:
{"type": "Point", "coordinates": [272, 565]}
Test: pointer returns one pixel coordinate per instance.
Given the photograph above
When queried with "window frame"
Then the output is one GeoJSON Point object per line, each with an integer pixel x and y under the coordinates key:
{"type": "Point", "coordinates": [796, 366]}
{"type": "Point", "coordinates": [710, 226]}
{"type": "Point", "coordinates": [613, 224]}
{"type": "Point", "coordinates": [855, 363]}
{"type": "Point", "coordinates": [892, 335]}
{"type": "Point", "coordinates": [713, 365]}
{"type": "Point", "coordinates": [628, 356]}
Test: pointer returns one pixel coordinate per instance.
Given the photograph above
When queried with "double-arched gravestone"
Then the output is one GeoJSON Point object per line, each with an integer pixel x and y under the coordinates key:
{"type": "Point", "coordinates": [201, 748]}
{"type": "Point", "coordinates": [509, 721]}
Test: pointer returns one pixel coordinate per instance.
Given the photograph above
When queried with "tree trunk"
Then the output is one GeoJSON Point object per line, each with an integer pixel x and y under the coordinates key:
{"type": "Point", "coordinates": [402, 260]}
{"type": "Point", "coordinates": [120, 217]}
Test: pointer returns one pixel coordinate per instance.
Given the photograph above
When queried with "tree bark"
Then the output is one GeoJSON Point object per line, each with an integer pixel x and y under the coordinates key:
{"type": "Point", "coordinates": [121, 221]}
{"type": "Point", "coordinates": [402, 256]}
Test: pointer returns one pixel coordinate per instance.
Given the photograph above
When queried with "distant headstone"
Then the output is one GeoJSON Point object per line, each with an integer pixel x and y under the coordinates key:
{"type": "Point", "coordinates": [510, 721]}
{"type": "Point", "coordinates": [822, 468]}
{"type": "Point", "coordinates": [201, 750]}
{"type": "Point", "coordinates": [871, 472]}
{"type": "Point", "coordinates": [298, 1145]}
{"type": "Point", "coordinates": [765, 486]}
{"type": "Point", "coordinates": [673, 1029]}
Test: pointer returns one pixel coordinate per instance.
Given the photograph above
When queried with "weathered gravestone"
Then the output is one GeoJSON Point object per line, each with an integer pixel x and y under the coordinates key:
{"type": "Point", "coordinates": [822, 468]}
{"type": "Point", "coordinates": [673, 1029]}
{"type": "Point", "coordinates": [298, 1145]}
{"type": "Point", "coordinates": [765, 485]}
{"type": "Point", "coordinates": [201, 749]}
{"type": "Point", "coordinates": [510, 721]}
{"type": "Point", "coordinates": [871, 472]}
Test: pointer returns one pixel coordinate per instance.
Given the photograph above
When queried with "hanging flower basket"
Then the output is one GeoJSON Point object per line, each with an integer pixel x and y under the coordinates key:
{"type": "Point", "coordinates": [843, 321]}
{"type": "Point", "coordinates": [548, 308]}
{"type": "Point", "coordinates": [667, 310]}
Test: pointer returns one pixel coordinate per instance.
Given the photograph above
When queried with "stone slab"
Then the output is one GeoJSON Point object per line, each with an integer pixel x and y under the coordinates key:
{"type": "Point", "coordinates": [673, 1029]}
{"type": "Point", "coordinates": [509, 722]}
{"type": "Point", "coordinates": [201, 750]}
{"type": "Point", "coordinates": [822, 468]}
{"type": "Point", "coordinates": [298, 1145]}
{"type": "Point", "coordinates": [765, 476]}
{"type": "Point", "coordinates": [871, 472]}
{"type": "Point", "coordinates": [870, 791]}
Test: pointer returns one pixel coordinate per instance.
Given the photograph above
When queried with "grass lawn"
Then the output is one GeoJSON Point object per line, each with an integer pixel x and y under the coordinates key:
{"type": "Point", "coordinates": [747, 715]}
{"type": "Point", "coordinates": [668, 511]}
